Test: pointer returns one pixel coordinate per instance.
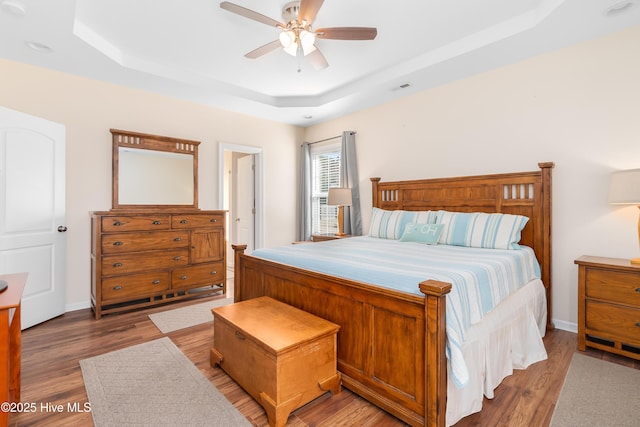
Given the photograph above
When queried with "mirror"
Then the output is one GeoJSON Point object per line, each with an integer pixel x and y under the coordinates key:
{"type": "Point", "coordinates": [151, 171]}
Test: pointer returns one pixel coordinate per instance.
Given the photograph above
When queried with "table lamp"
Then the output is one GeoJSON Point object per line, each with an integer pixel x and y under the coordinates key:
{"type": "Point", "coordinates": [339, 197]}
{"type": "Point", "coordinates": [625, 190]}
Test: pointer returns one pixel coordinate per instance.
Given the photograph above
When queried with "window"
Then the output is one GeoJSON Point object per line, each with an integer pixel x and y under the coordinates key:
{"type": "Point", "coordinates": [325, 173]}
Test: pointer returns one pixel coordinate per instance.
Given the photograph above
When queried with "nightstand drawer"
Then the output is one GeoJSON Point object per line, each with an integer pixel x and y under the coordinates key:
{"type": "Point", "coordinates": [613, 286]}
{"type": "Point", "coordinates": [613, 322]}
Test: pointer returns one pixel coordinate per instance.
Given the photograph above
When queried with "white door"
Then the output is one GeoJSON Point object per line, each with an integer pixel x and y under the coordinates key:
{"type": "Point", "coordinates": [32, 211]}
{"type": "Point", "coordinates": [245, 202]}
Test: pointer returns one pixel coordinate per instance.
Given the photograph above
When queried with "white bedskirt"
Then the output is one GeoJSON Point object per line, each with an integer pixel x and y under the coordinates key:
{"type": "Point", "coordinates": [508, 338]}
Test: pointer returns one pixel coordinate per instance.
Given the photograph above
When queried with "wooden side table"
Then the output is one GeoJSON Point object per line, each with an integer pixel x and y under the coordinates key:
{"type": "Point", "coordinates": [609, 305]}
{"type": "Point", "coordinates": [325, 237]}
{"type": "Point", "coordinates": [10, 340]}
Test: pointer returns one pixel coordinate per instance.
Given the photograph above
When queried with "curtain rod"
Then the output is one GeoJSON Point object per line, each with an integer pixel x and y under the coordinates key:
{"type": "Point", "coordinates": [329, 139]}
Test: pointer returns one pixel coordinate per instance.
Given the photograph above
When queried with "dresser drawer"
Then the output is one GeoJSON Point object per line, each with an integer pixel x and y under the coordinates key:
{"type": "Point", "coordinates": [144, 241]}
{"type": "Point", "coordinates": [154, 260]}
{"type": "Point", "coordinates": [197, 221]}
{"type": "Point", "coordinates": [134, 285]}
{"type": "Point", "coordinates": [614, 322]}
{"type": "Point", "coordinates": [136, 223]}
{"type": "Point", "coordinates": [614, 286]}
{"type": "Point", "coordinates": [204, 274]}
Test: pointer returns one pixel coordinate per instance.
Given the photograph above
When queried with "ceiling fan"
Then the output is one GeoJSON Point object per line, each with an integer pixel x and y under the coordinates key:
{"type": "Point", "coordinates": [296, 36]}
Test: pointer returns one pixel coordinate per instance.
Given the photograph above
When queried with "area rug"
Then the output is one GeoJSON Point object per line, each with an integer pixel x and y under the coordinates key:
{"type": "Point", "coordinates": [185, 317]}
{"type": "Point", "coordinates": [598, 393]}
{"type": "Point", "coordinates": [154, 384]}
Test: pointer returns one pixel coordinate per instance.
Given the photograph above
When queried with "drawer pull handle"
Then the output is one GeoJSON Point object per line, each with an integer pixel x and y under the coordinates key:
{"type": "Point", "coordinates": [117, 288]}
{"type": "Point", "coordinates": [117, 224]}
{"type": "Point", "coordinates": [213, 272]}
{"type": "Point", "coordinates": [176, 258]}
{"type": "Point", "coordinates": [183, 277]}
{"type": "Point", "coordinates": [156, 282]}
{"type": "Point", "coordinates": [638, 324]}
{"type": "Point", "coordinates": [156, 223]}
{"type": "Point", "coordinates": [177, 239]}
{"type": "Point", "coordinates": [183, 221]}
{"type": "Point", "coordinates": [117, 264]}
{"type": "Point", "coordinates": [213, 220]}
{"type": "Point", "coordinates": [638, 290]}
{"type": "Point", "coordinates": [117, 243]}
{"type": "Point", "coordinates": [240, 336]}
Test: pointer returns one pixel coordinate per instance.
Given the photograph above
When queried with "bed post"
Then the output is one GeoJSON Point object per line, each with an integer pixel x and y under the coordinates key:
{"type": "Point", "coordinates": [374, 189]}
{"type": "Point", "coordinates": [546, 255]}
{"type": "Point", "coordinates": [237, 272]}
{"type": "Point", "coordinates": [435, 357]}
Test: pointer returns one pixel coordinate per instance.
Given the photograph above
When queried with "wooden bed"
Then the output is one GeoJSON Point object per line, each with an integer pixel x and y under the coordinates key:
{"type": "Point", "coordinates": [391, 345]}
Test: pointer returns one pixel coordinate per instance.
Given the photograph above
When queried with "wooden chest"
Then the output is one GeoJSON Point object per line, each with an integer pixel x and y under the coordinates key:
{"type": "Point", "coordinates": [282, 356]}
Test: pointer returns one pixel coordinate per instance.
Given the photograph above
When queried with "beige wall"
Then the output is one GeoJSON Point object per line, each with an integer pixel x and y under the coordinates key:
{"type": "Point", "coordinates": [89, 108]}
{"type": "Point", "coordinates": [578, 107]}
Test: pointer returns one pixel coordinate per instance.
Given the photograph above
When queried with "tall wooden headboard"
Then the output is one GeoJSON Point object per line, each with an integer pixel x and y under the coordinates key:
{"type": "Point", "coordinates": [518, 193]}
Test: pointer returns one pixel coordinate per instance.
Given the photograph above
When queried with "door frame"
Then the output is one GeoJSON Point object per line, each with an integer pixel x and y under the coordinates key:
{"type": "Point", "coordinates": [258, 185]}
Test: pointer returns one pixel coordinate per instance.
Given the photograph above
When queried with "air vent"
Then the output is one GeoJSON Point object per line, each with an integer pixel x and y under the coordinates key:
{"type": "Point", "coordinates": [402, 86]}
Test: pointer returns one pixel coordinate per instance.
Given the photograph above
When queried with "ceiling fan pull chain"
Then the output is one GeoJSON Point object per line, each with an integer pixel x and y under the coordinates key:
{"type": "Point", "coordinates": [299, 55]}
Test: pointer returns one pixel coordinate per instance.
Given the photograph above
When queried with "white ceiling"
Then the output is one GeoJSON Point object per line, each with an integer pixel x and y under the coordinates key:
{"type": "Point", "coordinates": [193, 49]}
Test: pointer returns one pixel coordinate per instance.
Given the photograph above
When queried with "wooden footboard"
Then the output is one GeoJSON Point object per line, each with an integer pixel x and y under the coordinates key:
{"type": "Point", "coordinates": [391, 345]}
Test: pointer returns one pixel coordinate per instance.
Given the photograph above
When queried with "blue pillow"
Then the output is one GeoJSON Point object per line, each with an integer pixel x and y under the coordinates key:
{"type": "Point", "coordinates": [481, 230]}
{"type": "Point", "coordinates": [422, 233]}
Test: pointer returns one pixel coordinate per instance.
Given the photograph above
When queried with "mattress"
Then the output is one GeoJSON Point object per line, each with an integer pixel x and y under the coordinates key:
{"type": "Point", "coordinates": [480, 278]}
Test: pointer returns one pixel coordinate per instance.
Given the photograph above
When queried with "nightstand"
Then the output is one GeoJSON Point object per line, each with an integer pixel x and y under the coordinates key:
{"type": "Point", "coordinates": [325, 237]}
{"type": "Point", "coordinates": [609, 305]}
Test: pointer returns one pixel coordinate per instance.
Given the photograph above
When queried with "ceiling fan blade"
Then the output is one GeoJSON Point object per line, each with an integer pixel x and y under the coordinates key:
{"type": "Point", "coordinates": [309, 9]}
{"type": "Point", "coordinates": [347, 33]}
{"type": "Point", "coordinates": [317, 59]}
{"type": "Point", "coordinates": [248, 13]}
{"type": "Point", "coordinates": [263, 50]}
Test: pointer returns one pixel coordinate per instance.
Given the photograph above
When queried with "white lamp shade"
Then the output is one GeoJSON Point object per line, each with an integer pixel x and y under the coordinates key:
{"type": "Point", "coordinates": [625, 187]}
{"type": "Point", "coordinates": [287, 38]}
{"type": "Point", "coordinates": [339, 197]}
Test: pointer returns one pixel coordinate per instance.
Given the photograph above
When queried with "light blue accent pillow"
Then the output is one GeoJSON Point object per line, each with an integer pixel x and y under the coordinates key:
{"type": "Point", "coordinates": [391, 224]}
{"type": "Point", "coordinates": [428, 234]}
{"type": "Point", "coordinates": [481, 230]}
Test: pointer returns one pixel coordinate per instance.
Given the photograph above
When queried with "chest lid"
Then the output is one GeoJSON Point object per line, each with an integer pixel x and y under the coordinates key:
{"type": "Point", "coordinates": [274, 325]}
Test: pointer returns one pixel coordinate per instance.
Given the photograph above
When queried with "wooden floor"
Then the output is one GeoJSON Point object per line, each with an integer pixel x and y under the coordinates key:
{"type": "Point", "coordinates": [51, 375]}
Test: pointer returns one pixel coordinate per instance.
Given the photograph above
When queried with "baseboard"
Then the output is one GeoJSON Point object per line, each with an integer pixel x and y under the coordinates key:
{"type": "Point", "coordinates": [566, 326]}
{"type": "Point", "coordinates": [77, 306]}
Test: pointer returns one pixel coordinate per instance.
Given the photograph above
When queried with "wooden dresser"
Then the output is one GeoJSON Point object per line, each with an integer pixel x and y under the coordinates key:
{"type": "Point", "coordinates": [147, 257]}
{"type": "Point", "coordinates": [609, 305]}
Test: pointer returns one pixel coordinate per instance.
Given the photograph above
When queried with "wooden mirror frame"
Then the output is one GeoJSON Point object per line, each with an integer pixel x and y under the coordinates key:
{"type": "Point", "coordinates": [144, 141]}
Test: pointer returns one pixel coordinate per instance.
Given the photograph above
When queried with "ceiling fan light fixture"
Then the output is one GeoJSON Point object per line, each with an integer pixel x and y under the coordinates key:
{"type": "Point", "coordinates": [307, 39]}
{"type": "Point", "coordinates": [287, 38]}
{"type": "Point", "coordinates": [306, 50]}
{"type": "Point", "coordinates": [292, 49]}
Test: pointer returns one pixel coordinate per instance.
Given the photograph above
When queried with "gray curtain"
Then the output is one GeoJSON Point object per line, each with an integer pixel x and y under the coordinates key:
{"type": "Point", "coordinates": [304, 228]}
{"type": "Point", "coordinates": [349, 179]}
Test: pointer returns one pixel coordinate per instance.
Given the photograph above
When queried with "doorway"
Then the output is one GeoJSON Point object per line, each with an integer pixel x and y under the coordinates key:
{"type": "Point", "coordinates": [241, 178]}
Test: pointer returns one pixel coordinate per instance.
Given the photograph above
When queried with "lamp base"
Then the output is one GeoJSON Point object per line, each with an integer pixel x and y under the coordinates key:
{"type": "Point", "coordinates": [635, 261]}
{"type": "Point", "coordinates": [344, 234]}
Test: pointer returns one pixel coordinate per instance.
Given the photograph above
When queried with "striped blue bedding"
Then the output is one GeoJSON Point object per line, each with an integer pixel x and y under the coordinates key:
{"type": "Point", "coordinates": [481, 278]}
